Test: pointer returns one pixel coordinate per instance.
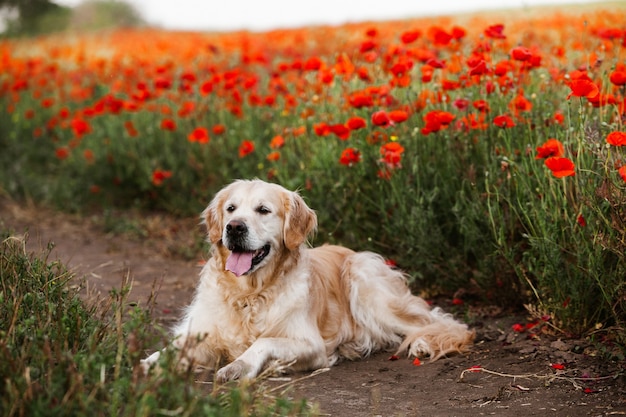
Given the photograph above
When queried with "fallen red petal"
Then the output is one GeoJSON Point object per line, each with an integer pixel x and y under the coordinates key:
{"type": "Point", "coordinates": [519, 328]}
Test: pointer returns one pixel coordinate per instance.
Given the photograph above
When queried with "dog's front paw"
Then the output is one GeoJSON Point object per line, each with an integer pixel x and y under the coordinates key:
{"type": "Point", "coordinates": [149, 362]}
{"type": "Point", "coordinates": [234, 370]}
{"type": "Point", "coordinates": [421, 348]}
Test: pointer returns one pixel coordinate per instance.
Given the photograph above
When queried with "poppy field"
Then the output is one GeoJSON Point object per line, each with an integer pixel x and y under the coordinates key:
{"type": "Point", "coordinates": [485, 155]}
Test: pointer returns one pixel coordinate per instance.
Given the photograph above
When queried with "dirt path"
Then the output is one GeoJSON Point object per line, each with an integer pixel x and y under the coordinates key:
{"type": "Point", "coordinates": [375, 386]}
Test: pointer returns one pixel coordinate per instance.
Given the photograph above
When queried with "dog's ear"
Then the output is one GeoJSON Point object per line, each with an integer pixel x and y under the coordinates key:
{"type": "Point", "coordinates": [213, 219]}
{"type": "Point", "coordinates": [300, 221]}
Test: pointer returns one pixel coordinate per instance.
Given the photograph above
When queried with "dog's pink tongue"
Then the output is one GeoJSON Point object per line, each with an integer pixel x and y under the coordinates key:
{"type": "Point", "coordinates": [239, 262]}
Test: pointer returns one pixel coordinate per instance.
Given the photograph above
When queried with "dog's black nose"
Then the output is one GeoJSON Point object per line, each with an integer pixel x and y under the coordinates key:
{"type": "Point", "coordinates": [236, 228]}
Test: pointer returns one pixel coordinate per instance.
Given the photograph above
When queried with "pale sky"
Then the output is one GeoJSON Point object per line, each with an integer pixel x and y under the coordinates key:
{"type": "Point", "coordinates": [271, 14]}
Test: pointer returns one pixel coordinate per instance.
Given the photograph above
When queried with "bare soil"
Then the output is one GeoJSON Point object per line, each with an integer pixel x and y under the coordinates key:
{"type": "Point", "coordinates": [516, 373]}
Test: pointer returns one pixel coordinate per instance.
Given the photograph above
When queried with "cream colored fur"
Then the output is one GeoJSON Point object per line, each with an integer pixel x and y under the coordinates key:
{"type": "Point", "coordinates": [308, 306]}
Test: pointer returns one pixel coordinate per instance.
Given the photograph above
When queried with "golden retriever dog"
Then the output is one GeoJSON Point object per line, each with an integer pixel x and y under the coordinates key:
{"type": "Point", "coordinates": [265, 295]}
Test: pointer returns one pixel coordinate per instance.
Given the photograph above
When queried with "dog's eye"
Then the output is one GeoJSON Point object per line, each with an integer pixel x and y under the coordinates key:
{"type": "Point", "coordinates": [230, 208]}
{"type": "Point", "coordinates": [263, 210]}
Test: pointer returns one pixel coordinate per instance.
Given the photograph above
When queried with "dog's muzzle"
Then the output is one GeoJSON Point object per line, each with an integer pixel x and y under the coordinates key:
{"type": "Point", "coordinates": [242, 258]}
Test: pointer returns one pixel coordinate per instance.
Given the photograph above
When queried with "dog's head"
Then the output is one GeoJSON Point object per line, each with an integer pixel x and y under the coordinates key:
{"type": "Point", "coordinates": [256, 222]}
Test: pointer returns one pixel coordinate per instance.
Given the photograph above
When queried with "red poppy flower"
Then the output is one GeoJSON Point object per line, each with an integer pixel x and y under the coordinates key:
{"type": "Point", "coordinates": [461, 103]}
{"type": "Point", "coordinates": [436, 120]}
{"type": "Point", "coordinates": [560, 167]}
{"type": "Point", "coordinates": [349, 156]}
{"type": "Point", "coordinates": [398, 116]}
{"type": "Point", "coordinates": [158, 176]}
{"type": "Point", "coordinates": [355, 123]}
{"type": "Point", "coordinates": [480, 68]}
{"type": "Point", "coordinates": [277, 142]}
{"type": "Point", "coordinates": [399, 68]}
{"type": "Point", "coordinates": [80, 127]}
{"type": "Point", "coordinates": [503, 121]}
{"type": "Point", "coordinates": [394, 147]}
{"type": "Point", "coordinates": [520, 103]}
{"type": "Point", "coordinates": [503, 67]}
{"type": "Point", "coordinates": [19, 85]}
{"type": "Point", "coordinates": [342, 131]}
{"type": "Point", "coordinates": [495, 31]}
{"type": "Point", "coordinates": [359, 100]}
{"type": "Point", "coordinates": [199, 134]}
{"type": "Point", "coordinates": [162, 83]}
{"type": "Point", "coordinates": [458, 33]}
{"type": "Point", "coordinates": [436, 63]}
{"type": "Point", "coordinates": [618, 77]}
{"type": "Point", "coordinates": [246, 148]}
{"type": "Point", "coordinates": [447, 84]}
{"type": "Point", "coordinates": [440, 36]}
{"type": "Point", "coordinates": [583, 88]}
{"type": "Point", "coordinates": [381, 118]}
{"type": "Point", "coordinates": [313, 64]}
{"type": "Point", "coordinates": [47, 102]}
{"type": "Point", "coordinates": [410, 36]}
{"type": "Point", "coordinates": [218, 129]}
{"type": "Point", "coordinates": [622, 172]}
{"type": "Point", "coordinates": [610, 33]}
{"type": "Point", "coordinates": [559, 117]}
{"type": "Point", "coordinates": [616, 139]}
{"type": "Point", "coordinates": [521, 53]}
{"type": "Point", "coordinates": [186, 108]}
{"type": "Point", "coordinates": [551, 147]}
{"type": "Point", "coordinates": [168, 124]}
{"type": "Point", "coordinates": [481, 105]}
{"type": "Point", "coordinates": [298, 131]}
{"type": "Point", "coordinates": [273, 156]}
{"type": "Point", "coordinates": [392, 154]}
{"type": "Point", "coordinates": [427, 73]}
{"type": "Point", "coordinates": [62, 153]}
{"type": "Point", "coordinates": [363, 74]}
{"type": "Point", "coordinates": [206, 88]}
{"type": "Point", "coordinates": [321, 129]}
{"type": "Point", "coordinates": [581, 220]}
{"type": "Point", "coordinates": [367, 45]}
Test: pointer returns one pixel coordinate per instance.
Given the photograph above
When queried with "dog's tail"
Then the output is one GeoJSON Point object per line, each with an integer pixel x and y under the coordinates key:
{"type": "Point", "coordinates": [443, 335]}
